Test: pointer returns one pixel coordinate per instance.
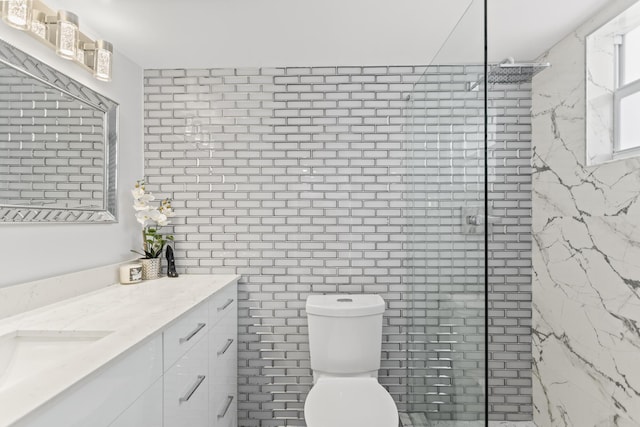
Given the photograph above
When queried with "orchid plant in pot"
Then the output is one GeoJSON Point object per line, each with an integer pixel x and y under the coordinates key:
{"type": "Point", "coordinates": [152, 219]}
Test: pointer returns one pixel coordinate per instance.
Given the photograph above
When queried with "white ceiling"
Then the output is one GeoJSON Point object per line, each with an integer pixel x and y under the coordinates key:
{"type": "Point", "coordinates": [262, 33]}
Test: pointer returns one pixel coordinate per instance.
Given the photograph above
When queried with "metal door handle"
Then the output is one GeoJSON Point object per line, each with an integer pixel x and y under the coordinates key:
{"type": "Point", "coordinates": [479, 219]}
{"type": "Point", "coordinates": [226, 347]}
{"type": "Point", "coordinates": [193, 333]}
{"type": "Point", "coordinates": [193, 389]}
{"type": "Point", "coordinates": [227, 304]}
{"type": "Point", "coordinates": [226, 407]}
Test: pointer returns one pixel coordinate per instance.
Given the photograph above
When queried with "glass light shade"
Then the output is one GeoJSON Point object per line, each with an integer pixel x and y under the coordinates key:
{"type": "Point", "coordinates": [67, 35]}
{"type": "Point", "coordinates": [38, 25]}
{"type": "Point", "coordinates": [102, 61]}
{"type": "Point", "coordinates": [17, 13]}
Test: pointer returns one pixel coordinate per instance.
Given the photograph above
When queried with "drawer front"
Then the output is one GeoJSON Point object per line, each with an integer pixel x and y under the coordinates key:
{"type": "Point", "coordinates": [223, 351]}
{"type": "Point", "coordinates": [186, 389]}
{"type": "Point", "coordinates": [184, 334]}
{"type": "Point", "coordinates": [225, 409]}
{"type": "Point", "coordinates": [222, 303]}
{"type": "Point", "coordinates": [223, 368]}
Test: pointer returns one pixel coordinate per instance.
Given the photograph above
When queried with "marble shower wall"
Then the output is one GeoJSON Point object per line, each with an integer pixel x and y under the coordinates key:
{"type": "Point", "coordinates": [586, 256]}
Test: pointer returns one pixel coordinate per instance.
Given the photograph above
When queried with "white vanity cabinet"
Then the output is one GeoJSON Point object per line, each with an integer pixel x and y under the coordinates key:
{"type": "Point", "coordinates": [186, 370]}
{"type": "Point", "coordinates": [100, 399]}
{"type": "Point", "coordinates": [201, 387]}
{"type": "Point", "coordinates": [183, 375]}
{"type": "Point", "coordinates": [223, 364]}
{"type": "Point", "coordinates": [186, 388]}
{"type": "Point", "coordinates": [144, 411]}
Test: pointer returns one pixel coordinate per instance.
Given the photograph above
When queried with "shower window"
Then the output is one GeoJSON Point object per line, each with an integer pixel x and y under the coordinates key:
{"type": "Point", "coordinates": [613, 89]}
{"type": "Point", "coordinates": [627, 93]}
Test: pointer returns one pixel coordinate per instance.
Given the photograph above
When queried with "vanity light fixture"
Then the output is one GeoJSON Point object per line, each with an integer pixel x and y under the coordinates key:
{"type": "Point", "coordinates": [102, 59]}
{"type": "Point", "coordinates": [17, 13]}
{"type": "Point", "coordinates": [38, 24]}
{"type": "Point", "coordinates": [61, 31]}
{"type": "Point", "coordinates": [80, 53]}
{"type": "Point", "coordinates": [67, 34]}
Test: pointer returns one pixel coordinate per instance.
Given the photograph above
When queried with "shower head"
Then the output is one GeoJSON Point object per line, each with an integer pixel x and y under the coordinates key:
{"type": "Point", "coordinates": [509, 71]}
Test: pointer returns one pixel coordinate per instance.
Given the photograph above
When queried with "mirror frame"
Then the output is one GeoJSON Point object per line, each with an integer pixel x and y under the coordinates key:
{"type": "Point", "coordinates": [48, 76]}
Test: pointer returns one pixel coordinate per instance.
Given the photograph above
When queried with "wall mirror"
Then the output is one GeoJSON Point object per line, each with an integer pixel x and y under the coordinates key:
{"type": "Point", "coordinates": [58, 145]}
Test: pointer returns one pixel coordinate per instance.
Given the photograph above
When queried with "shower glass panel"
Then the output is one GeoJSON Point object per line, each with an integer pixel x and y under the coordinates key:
{"type": "Point", "coordinates": [446, 161]}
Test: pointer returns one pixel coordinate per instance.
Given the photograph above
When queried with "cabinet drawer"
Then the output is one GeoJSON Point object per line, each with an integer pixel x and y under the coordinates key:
{"type": "Point", "coordinates": [183, 334]}
{"type": "Point", "coordinates": [224, 409]}
{"type": "Point", "coordinates": [186, 389]}
{"type": "Point", "coordinates": [223, 352]}
{"type": "Point", "coordinates": [222, 303]}
{"type": "Point", "coordinates": [223, 368]}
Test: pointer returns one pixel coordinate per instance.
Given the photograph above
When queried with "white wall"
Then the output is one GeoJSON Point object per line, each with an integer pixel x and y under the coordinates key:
{"type": "Point", "coordinates": [33, 251]}
{"type": "Point", "coordinates": [586, 253]}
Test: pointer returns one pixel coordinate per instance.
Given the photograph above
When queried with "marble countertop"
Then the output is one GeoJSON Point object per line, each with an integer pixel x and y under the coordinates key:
{"type": "Point", "coordinates": [133, 312]}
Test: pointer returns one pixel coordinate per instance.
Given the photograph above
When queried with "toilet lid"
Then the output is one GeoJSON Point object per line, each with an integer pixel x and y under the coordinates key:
{"type": "Point", "coordinates": [349, 402]}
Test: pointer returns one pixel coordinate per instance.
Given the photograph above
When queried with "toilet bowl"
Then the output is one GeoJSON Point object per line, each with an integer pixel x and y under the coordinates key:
{"type": "Point", "coordinates": [349, 402]}
{"type": "Point", "coordinates": [345, 339]}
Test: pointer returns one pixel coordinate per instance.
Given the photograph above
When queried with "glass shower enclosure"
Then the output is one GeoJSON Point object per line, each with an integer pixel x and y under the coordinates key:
{"type": "Point", "coordinates": [446, 146]}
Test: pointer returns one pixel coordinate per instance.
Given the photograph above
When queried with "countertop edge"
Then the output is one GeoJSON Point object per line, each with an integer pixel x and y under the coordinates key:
{"type": "Point", "coordinates": [14, 399]}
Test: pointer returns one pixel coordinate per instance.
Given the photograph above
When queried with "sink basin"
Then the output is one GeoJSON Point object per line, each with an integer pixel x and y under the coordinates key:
{"type": "Point", "coordinates": [25, 353]}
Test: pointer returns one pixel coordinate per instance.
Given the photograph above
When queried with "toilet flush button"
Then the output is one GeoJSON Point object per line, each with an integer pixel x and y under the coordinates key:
{"type": "Point", "coordinates": [345, 300]}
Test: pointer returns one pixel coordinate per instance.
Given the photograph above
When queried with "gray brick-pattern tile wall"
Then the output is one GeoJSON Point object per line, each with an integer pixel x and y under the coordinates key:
{"type": "Point", "coordinates": [510, 154]}
{"type": "Point", "coordinates": [51, 146]}
{"type": "Point", "coordinates": [303, 187]}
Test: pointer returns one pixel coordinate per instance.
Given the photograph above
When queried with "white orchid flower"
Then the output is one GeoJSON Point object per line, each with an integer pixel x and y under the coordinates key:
{"type": "Point", "coordinates": [165, 208]}
{"type": "Point", "coordinates": [158, 217]}
{"type": "Point", "coordinates": [141, 205]}
{"type": "Point", "coordinates": [143, 217]}
{"type": "Point", "coordinates": [168, 212]}
{"type": "Point", "coordinates": [147, 198]}
{"type": "Point", "coordinates": [151, 219]}
{"type": "Point", "coordinates": [137, 192]}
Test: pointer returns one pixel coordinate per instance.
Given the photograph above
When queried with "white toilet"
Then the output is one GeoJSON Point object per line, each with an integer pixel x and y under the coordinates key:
{"type": "Point", "coordinates": [345, 338]}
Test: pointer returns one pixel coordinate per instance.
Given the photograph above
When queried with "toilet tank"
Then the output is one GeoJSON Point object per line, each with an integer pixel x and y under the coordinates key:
{"type": "Point", "coordinates": [345, 333]}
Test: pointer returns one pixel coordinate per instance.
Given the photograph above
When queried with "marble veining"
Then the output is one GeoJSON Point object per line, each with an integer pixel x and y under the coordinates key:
{"type": "Point", "coordinates": [586, 257]}
{"type": "Point", "coordinates": [131, 313]}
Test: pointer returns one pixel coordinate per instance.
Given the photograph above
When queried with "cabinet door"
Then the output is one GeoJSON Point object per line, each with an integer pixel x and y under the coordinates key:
{"type": "Point", "coordinates": [182, 334]}
{"type": "Point", "coordinates": [146, 411]}
{"type": "Point", "coordinates": [223, 368]}
{"type": "Point", "coordinates": [186, 389]}
{"type": "Point", "coordinates": [222, 303]}
{"type": "Point", "coordinates": [97, 400]}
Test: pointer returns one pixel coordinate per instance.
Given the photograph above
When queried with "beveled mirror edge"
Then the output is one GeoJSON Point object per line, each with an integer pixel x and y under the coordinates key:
{"type": "Point", "coordinates": [35, 68]}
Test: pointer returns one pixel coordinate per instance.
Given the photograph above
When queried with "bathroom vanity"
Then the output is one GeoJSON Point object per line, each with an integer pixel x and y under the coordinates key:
{"type": "Point", "coordinates": [162, 353]}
